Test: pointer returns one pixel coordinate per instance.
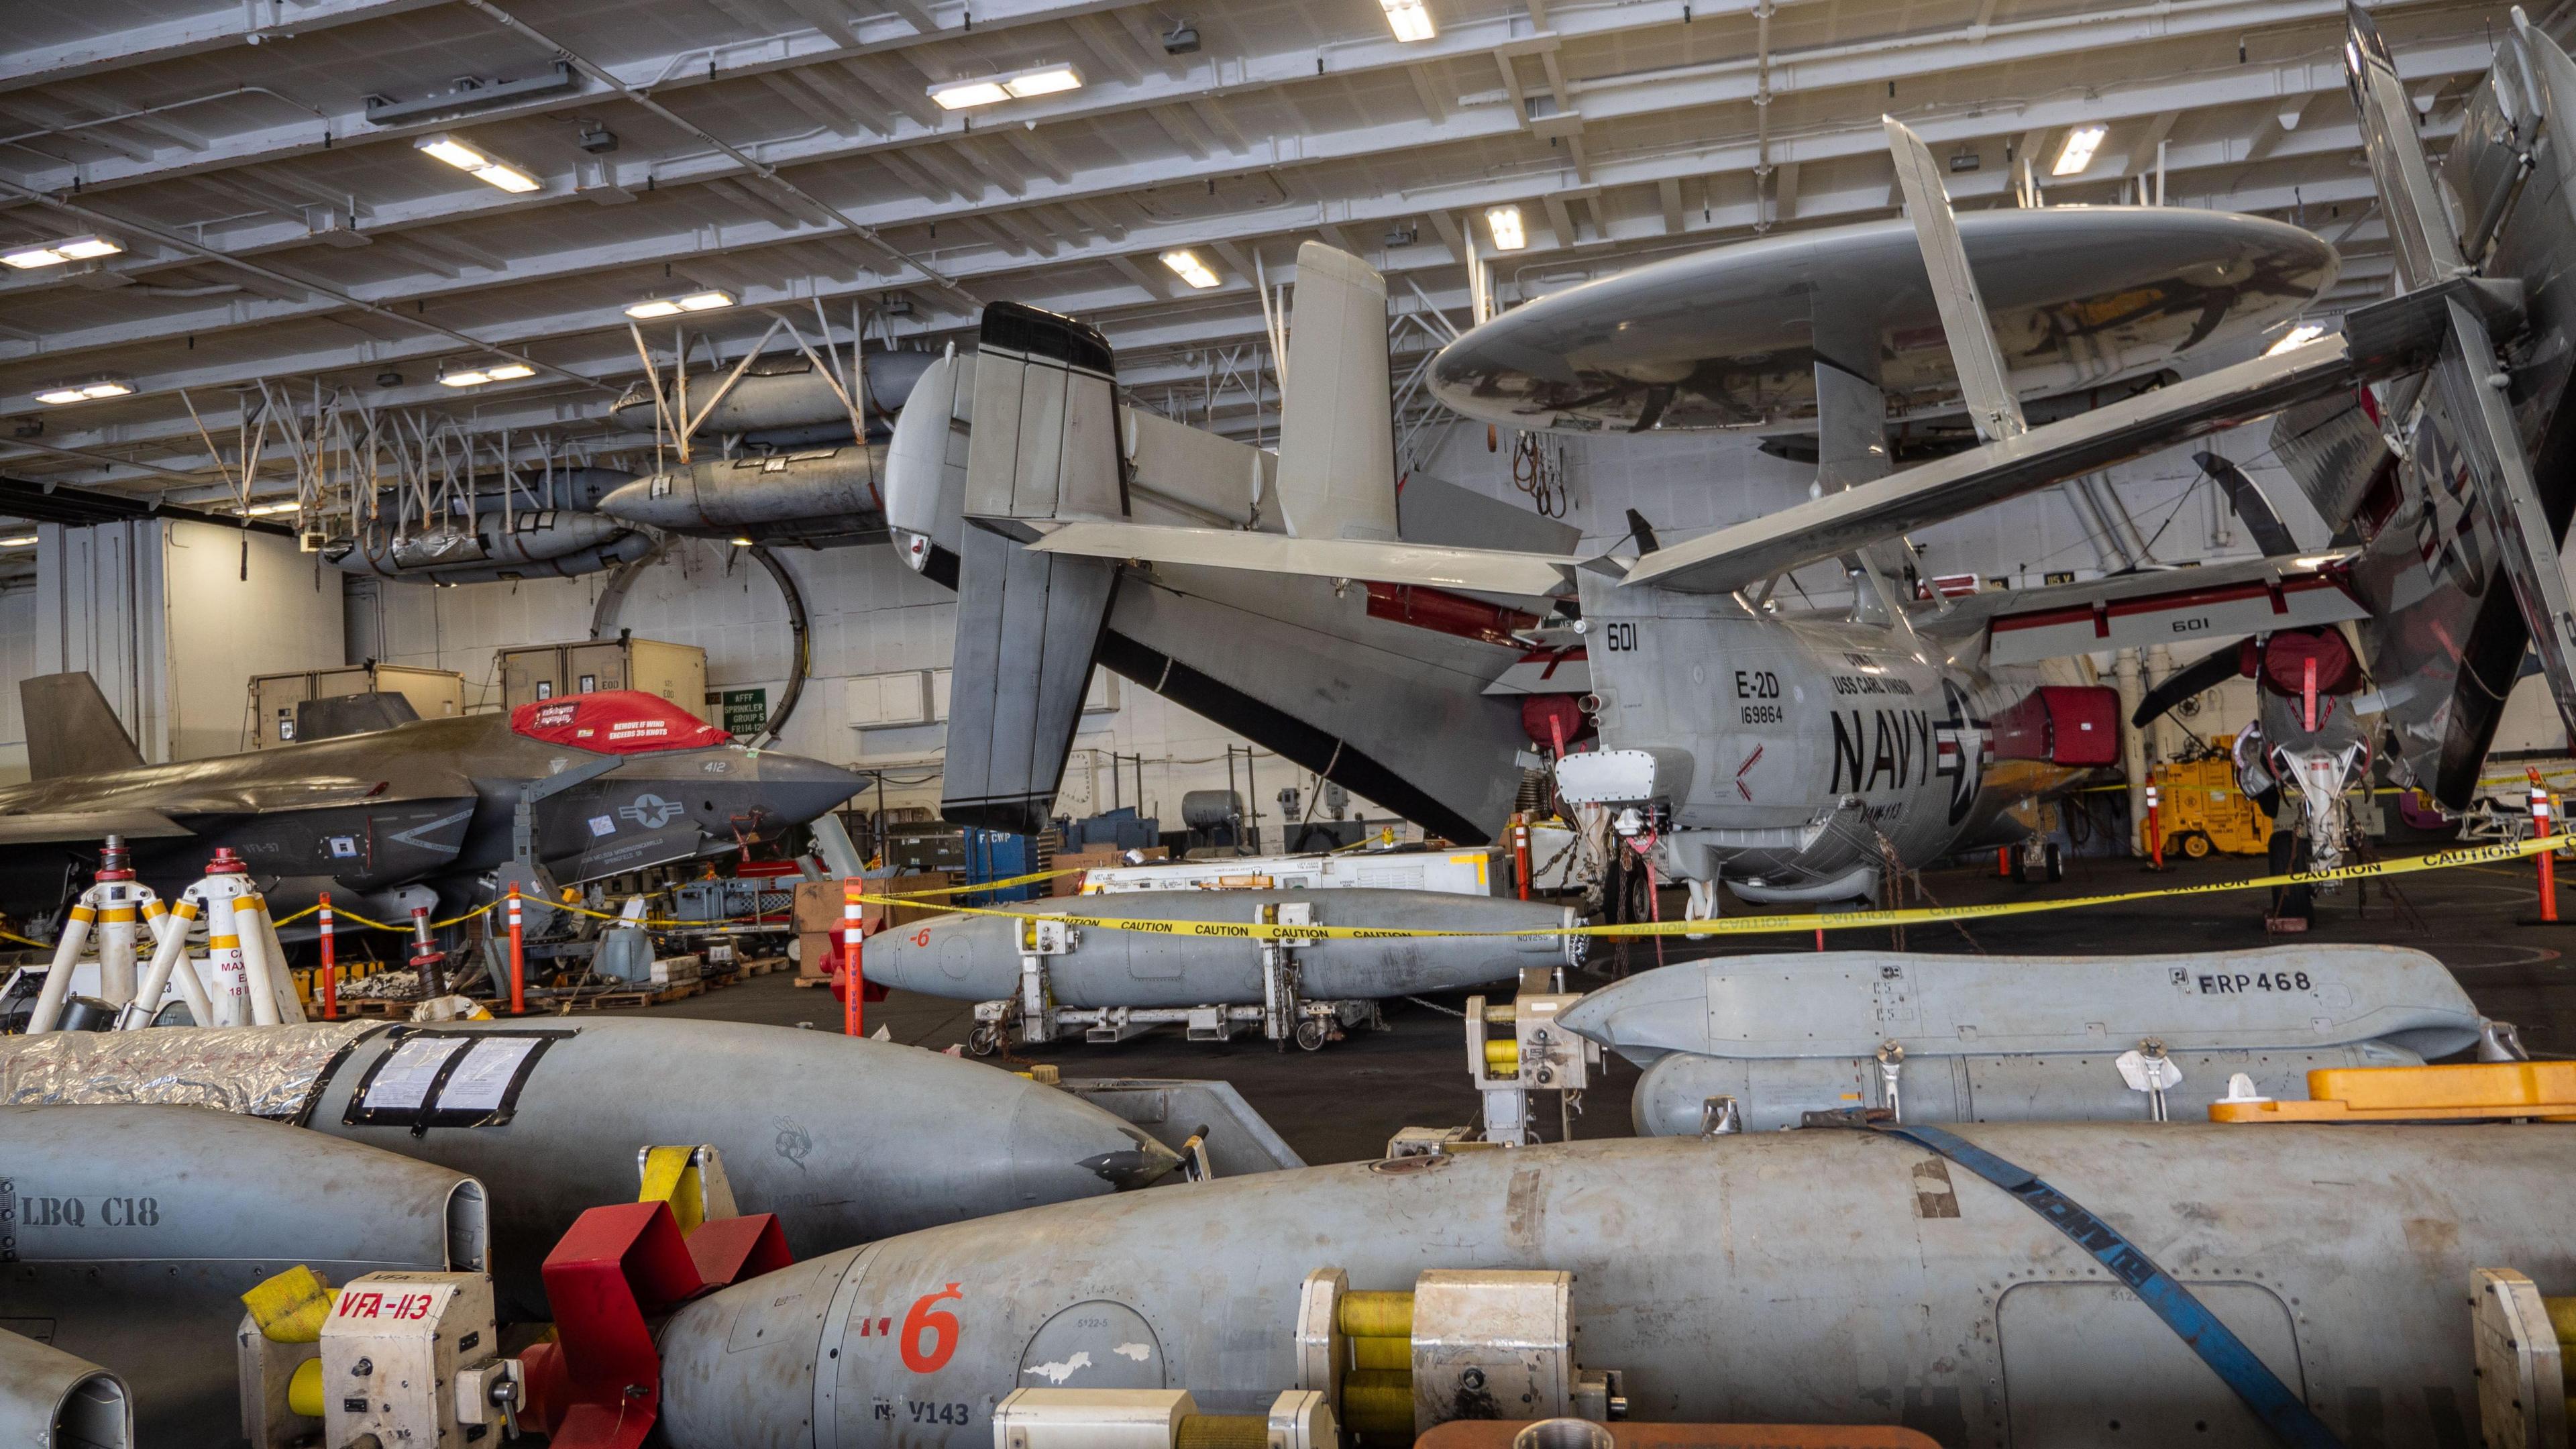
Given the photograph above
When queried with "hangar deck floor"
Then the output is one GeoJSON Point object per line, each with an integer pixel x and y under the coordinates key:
{"type": "Point", "coordinates": [1342, 1103]}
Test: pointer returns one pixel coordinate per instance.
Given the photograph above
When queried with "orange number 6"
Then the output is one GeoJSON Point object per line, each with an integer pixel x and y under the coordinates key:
{"type": "Point", "coordinates": [942, 1328]}
{"type": "Point", "coordinates": [921, 937]}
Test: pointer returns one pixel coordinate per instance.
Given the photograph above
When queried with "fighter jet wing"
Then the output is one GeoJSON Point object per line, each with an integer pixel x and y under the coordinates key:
{"type": "Point", "coordinates": [46, 826]}
{"type": "Point", "coordinates": [2170, 606]}
{"type": "Point", "coordinates": [1494, 571]}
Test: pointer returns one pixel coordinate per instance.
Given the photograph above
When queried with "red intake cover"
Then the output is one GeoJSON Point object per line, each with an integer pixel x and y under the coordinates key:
{"type": "Point", "coordinates": [2062, 724]}
{"type": "Point", "coordinates": [615, 722]}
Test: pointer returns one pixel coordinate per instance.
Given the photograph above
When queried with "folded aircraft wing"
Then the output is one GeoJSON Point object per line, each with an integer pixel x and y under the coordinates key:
{"type": "Point", "coordinates": [1838, 523]}
{"type": "Point", "coordinates": [1492, 571]}
{"type": "Point", "coordinates": [2167, 606]}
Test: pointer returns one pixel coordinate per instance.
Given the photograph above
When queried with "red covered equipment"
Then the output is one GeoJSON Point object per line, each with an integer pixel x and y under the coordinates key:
{"type": "Point", "coordinates": [615, 722]}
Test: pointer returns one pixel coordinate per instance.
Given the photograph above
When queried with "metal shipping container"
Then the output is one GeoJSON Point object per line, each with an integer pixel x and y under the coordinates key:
{"type": "Point", "coordinates": [676, 672]}
{"type": "Point", "coordinates": [434, 694]}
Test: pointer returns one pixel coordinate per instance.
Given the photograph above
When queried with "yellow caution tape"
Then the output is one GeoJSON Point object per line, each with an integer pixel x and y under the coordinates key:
{"type": "Point", "coordinates": [1764, 925]}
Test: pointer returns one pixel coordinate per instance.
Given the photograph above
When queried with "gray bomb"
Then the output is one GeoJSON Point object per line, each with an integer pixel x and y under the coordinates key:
{"type": "Point", "coordinates": [132, 1231]}
{"type": "Point", "coordinates": [977, 958]}
{"type": "Point", "coordinates": [2011, 1038]}
{"type": "Point", "coordinates": [1802, 1277]}
{"type": "Point", "coordinates": [845, 1140]}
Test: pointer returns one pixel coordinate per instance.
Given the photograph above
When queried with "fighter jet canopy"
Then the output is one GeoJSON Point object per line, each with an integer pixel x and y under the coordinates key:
{"type": "Point", "coordinates": [615, 722]}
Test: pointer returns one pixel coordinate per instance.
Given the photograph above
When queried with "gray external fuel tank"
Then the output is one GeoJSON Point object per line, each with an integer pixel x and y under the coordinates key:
{"type": "Point", "coordinates": [977, 958]}
{"type": "Point", "coordinates": [2012, 1038]}
{"type": "Point", "coordinates": [132, 1231]}
{"type": "Point", "coordinates": [1818, 1276]}
{"type": "Point", "coordinates": [845, 1140]}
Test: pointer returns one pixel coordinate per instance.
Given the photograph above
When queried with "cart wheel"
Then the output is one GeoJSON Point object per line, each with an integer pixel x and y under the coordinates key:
{"type": "Point", "coordinates": [2056, 864]}
{"type": "Point", "coordinates": [2196, 845]}
{"type": "Point", "coordinates": [1311, 1034]}
{"type": "Point", "coordinates": [984, 1040]}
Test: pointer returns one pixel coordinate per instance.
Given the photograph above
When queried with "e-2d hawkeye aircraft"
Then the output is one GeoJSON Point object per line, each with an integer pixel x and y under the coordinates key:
{"type": "Point", "coordinates": [414, 814]}
{"type": "Point", "coordinates": [1788, 752]}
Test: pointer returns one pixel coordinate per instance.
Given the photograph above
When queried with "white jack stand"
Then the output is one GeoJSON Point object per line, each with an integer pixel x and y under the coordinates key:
{"type": "Point", "coordinates": [115, 906]}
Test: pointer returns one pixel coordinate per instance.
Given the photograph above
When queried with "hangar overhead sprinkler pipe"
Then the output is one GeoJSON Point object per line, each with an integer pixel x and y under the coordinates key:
{"type": "Point", "coordinates": [518, 959]}
{"type": "Point", "coordinates": [330, 961]}
{"type": "Point", "coordinates": [853, 1018]}
{"type": "Point", "coordinates": [2540, 831]}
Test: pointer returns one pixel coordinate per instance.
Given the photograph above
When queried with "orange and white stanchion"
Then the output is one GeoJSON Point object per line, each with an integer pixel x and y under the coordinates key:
{"type": "Point", "coordinates": [2540, 831]}
{"type": "Point", "coordinates": [2155, 826]}
{"type": "Point", "coordinates": [853, 1019]}
{"type": "Point", "coordinates": [1521, 854]}
{"type": "Point", "coordinates": [330, 992]}
{"type": "Point", "coordinates": [2003, 862]}
{"type": "Point", "coordinates": [518, 959]}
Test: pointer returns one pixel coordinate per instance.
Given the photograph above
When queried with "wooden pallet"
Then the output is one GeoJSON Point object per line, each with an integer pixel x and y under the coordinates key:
{"type": "Point", "coordinates": [803, 981]}
{"type": "Point", "coordinates": [614, 1000]}
{"type": "Point", "coordinates": [764, 966]}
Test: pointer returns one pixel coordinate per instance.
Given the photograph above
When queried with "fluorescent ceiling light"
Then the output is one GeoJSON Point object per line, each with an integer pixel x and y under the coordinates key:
{"type": "Point", "coordinates": [653, 308]}
{"type": "Point", "coordinates": [706, 301]}
{"type": "Point", "coordinates": [1191, 269]}
{"type": "Point", "coordinates": [1509, 235]}
{"type": "Point", "coordinates": [454, 152]}
{"type": "Point", "coordinates": [106, 387]}
{"type": "Point", "coordinates": [24, 540]}
{"type": "Point", "coordinates": [97, 387]}
{"type": "Point", "coordinates": [466, 377]}
{"type": "Point", "coordinates": [1408, 19]}
{"type": "Point", "coordinates": [267, 510]}
{"type": "Point", "coordinates": [482, 167]}
{"type": "Point", "coordinates": [2078, 151]}
{"type": "Point", "coordinates": [59, 395]}
{"type": "Point", "coordinates": [2299, 336]}
{"type": "Point", "coordinates": [510, 372]}
{"type": "Point", "coordinates": [1043, 80]}
{"type": "Point", "coordinates": [82, 248]}
{"type": "Point", "coordinates": [958, 95]}
{"type": "Point", "coordinates": [741, 542]}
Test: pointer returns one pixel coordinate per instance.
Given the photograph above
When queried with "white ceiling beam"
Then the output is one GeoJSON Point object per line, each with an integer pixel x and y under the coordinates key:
{"type": "Point", "coordinates": [214, 28]}
{"type": "Point", "coordinates": [1862, 138]}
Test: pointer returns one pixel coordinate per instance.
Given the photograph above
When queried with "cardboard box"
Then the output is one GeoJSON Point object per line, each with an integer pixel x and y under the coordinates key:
{"type": "Point", "coordinates": [818, 902]}
{"type": "Point", "coordinates": [816, 952]}
{"type": "Point", "coordinates": [1089, 856]}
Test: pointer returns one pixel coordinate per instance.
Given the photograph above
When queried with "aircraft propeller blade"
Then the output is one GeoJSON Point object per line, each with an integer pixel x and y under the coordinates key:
{"type": "Point", "coordinates": [2252, 508]}
{"type": "Point", "coordinates": [2207, 672]}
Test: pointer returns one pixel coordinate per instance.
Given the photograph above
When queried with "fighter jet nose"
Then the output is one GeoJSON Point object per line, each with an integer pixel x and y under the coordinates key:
{"type": "Point", "coordinates": [1103, 1150]}
{"type": "Point", "coordinates": [802, 789]}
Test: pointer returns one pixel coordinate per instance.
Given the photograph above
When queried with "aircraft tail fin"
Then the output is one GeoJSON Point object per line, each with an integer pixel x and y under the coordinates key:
{"type": "Point", "coordinates": [70, 729]}
{"type": "Point", "coordinates": [1044, 449]}
{"type": "Point", "coordinates": [1336, 424]}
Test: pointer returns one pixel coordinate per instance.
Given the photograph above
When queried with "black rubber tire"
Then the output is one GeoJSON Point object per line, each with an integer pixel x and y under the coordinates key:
{"type": "Point", "coordinates": [984, 1040]}
{"type": "Point", "coordinates": [2285, 852]}
{"type": "Point", "coordinates": [2020, 867]}
{"type": "Point", "coordinates": [1312, 1034]}
{"type": "Point", "coordinates": [2056, 864]}
{"type": "Point", "coordinates": [2195, 845]}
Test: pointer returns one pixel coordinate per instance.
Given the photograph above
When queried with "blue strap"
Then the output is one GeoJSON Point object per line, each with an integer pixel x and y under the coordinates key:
{"type": "Point", "coordinates": [2225, 1353]}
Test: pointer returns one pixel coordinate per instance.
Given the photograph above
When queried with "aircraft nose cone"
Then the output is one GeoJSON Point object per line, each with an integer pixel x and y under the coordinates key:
{"type": "Point", "coordinates": [664, 500]}
{"type": "Point", "coordinates": [801, 789]}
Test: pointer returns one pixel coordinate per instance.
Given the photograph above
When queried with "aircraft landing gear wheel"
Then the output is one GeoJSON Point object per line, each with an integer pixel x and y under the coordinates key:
{"type": "Point", "coordinates": [2020, 867]}
{"type": "Point", "coordinates": [984, 1040]}
{"type": "Point", "coordinates": [1312, 1033]}
{"type": "Point", "coordinates": [2056, 865]}
{"type": "Point", "coordinates": [2196, 845]}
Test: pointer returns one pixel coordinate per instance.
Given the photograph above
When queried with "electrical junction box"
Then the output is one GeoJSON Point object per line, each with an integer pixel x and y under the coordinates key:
{"type": "Point", "coordinates": [392, 1351]}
